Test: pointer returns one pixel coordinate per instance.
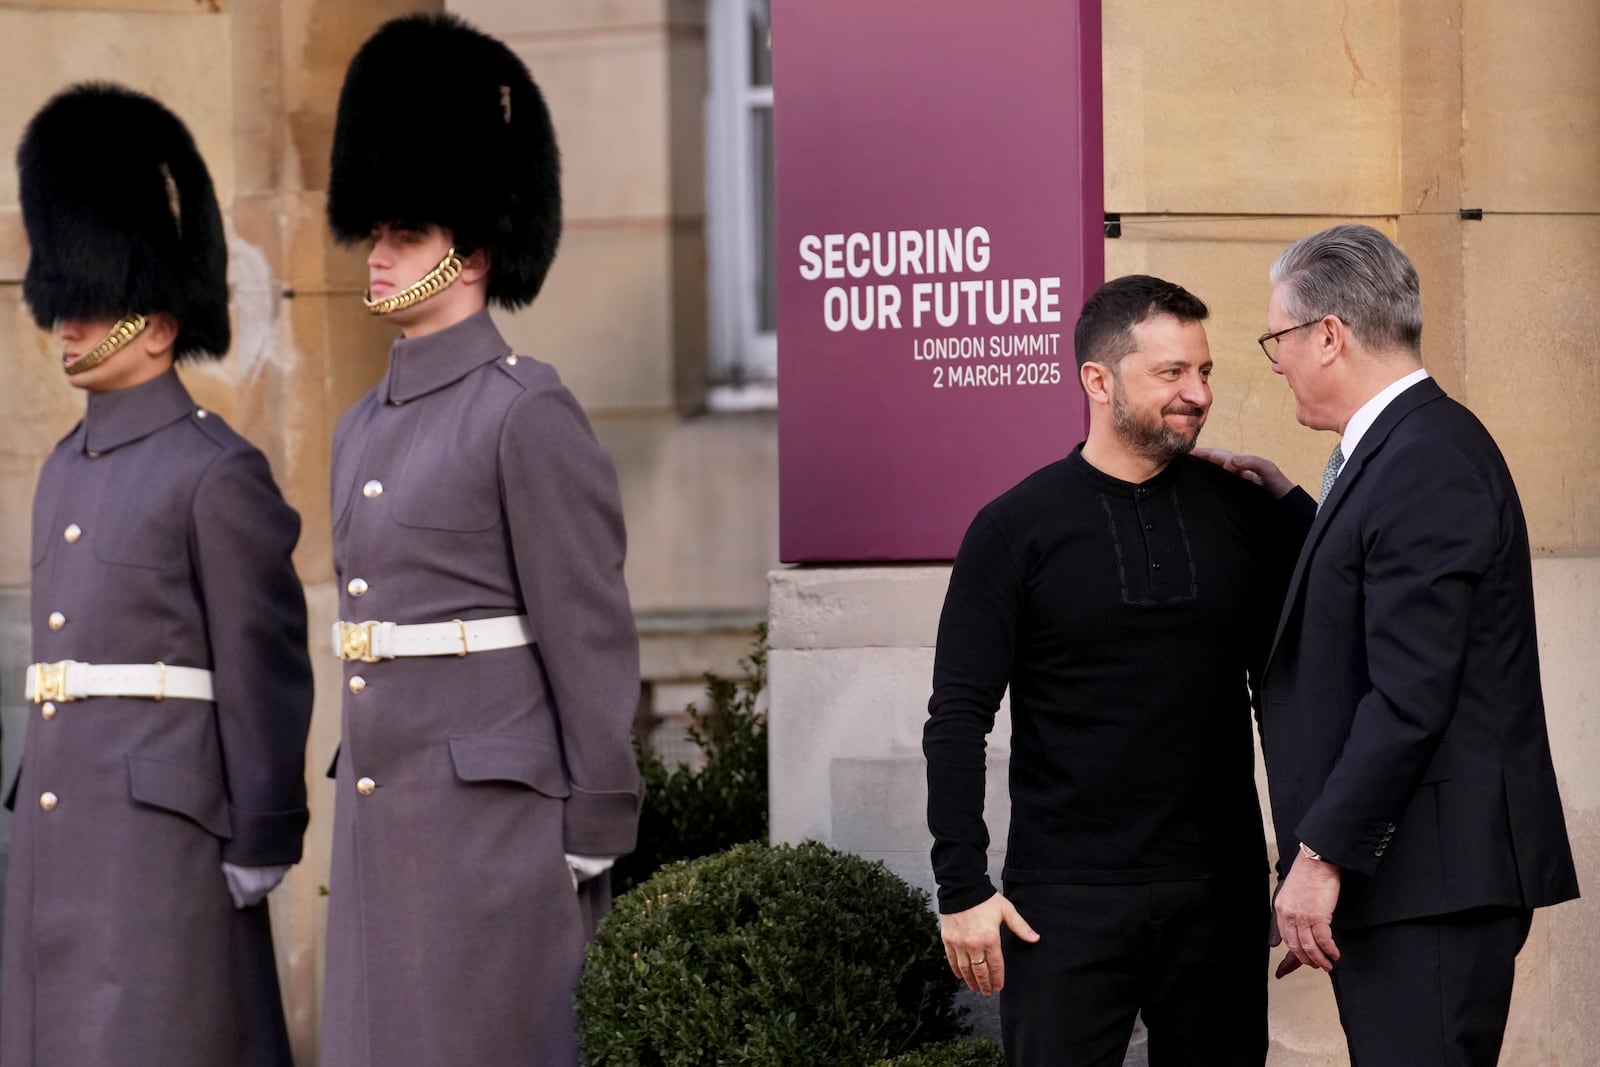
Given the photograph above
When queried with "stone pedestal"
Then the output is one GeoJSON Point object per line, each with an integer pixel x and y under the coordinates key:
{"type": "Point", "coordinates": [851, 671]}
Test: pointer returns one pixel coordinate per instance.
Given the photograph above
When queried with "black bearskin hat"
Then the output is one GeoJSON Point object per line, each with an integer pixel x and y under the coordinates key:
{"type": "Point", "coordinates": [440, 123]}
{"type": "Point", "coordinates": [121, 217]}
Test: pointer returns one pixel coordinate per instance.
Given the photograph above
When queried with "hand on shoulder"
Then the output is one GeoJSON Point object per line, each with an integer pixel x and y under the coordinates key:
{"type": "Point", "coordinates": [1257, 469]}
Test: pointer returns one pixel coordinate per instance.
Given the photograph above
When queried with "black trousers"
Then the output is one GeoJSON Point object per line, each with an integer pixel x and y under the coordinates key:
{"type": "Point", "coordinates": [1191, 956]}
{"type": "Point", "coordinates": [1429, 993]}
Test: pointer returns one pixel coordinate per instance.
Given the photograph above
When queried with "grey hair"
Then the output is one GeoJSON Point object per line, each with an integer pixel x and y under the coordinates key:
{"type": "Point", "coordinates": [1358, 275]}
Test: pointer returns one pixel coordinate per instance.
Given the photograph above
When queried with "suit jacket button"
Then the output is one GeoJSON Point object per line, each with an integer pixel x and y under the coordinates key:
{"type": "Point", "coordinates": [1377, 851]}
{"type": "Point", "coordinates": [366, 786]}
{"type": "Point", "coordinates": [372, 489]}
{"type": "Point", "coordinates": [57, 620]}
{"type": "Point", "coordinates": [72, 533]}
{"type": "Point", "coordinates": [48, 801]}
{"type": "Point", "coordinates": [357, 683]}
{"type": "Point", "coordinates": [48, 710]}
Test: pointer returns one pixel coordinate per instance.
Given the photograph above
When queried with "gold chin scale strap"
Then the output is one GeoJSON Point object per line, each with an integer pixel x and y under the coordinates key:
{"type": "Point", "coordinates": [125, 330]}
{"type": "Point", "coordinates": [436, 280]}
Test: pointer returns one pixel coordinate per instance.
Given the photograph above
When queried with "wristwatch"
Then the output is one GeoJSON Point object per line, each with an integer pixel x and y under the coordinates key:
{"type": "Point", "coordinates": [1305, 850]}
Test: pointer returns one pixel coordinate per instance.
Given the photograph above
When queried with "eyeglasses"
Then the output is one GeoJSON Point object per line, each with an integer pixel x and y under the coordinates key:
{"type": "Point", "coordinates": [1269, 341]}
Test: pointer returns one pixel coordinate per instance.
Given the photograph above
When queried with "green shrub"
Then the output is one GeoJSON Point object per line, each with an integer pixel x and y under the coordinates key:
{"type": "Point", "coordinates": [766, 956]}
{"type": "Point", "coordinates": [689, 813]}
{"type": "Point", "coordinates": [965, 1052]}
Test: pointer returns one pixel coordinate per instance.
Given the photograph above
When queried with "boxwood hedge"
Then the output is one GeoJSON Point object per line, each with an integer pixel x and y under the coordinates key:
{"type": "Point", "coordinates": [766, 956]}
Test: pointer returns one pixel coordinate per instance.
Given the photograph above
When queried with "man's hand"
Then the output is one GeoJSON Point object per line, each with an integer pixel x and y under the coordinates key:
{"type": "Point", "coordinates": [1288, 965]}
{"type": "Point", "coordinates": [1304, 909]}
{"type": "Point", "coordinates": [1255, 469]}
{"type": "Point", "coordinates": [972, 942]}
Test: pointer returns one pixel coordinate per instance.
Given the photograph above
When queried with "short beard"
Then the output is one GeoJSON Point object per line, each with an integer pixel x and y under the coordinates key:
{"type": "Point", "coordinates": [1156, 441]}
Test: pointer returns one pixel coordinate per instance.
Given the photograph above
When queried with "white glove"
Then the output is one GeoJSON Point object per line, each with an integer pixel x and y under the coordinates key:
{"type": "Point", "coordinates": [250, 885]}
{"type": "Point", "coordinates": [584, 868]}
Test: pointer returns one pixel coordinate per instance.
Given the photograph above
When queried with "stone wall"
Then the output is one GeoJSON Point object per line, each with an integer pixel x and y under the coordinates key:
{"type": "Point", "coordinates": [1231, 128]}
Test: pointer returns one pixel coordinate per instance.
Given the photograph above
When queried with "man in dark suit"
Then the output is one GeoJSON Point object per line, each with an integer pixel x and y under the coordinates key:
{"type": "Point", "coordinates": [1412, 787]}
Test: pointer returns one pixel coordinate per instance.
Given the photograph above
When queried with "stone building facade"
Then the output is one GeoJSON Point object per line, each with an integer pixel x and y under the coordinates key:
{"type": "Point", "coordinates": [1231, 128]}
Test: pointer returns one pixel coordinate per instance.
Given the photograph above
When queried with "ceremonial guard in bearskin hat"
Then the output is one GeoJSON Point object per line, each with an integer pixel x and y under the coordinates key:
{"type": "Point", "coordinates": [486, 774]}
{"type": "Point", "coordinates": [161, 792]}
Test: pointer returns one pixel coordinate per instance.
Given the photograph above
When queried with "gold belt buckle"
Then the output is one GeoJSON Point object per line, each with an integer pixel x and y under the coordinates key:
{"type": "Point", "coordinates": [50, 682]}
{"type": "Point", "coordinates": [355, 640]}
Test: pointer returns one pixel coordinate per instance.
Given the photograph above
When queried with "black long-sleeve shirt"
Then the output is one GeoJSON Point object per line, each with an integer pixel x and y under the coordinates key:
{"type": "Point", "coordinates": [1127, 620]}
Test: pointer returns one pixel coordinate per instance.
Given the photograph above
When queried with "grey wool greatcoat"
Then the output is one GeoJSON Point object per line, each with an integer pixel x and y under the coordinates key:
{"type": "Point", "coordinates": [468, 485]}
{"type": "Point", "coordinates": [158, 536]}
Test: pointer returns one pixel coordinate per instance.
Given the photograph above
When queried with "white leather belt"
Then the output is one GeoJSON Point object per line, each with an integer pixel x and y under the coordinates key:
{"type": "Point", "coordinates": [371, 641]}
{"type": "Point", "coordinates": [69, 679]}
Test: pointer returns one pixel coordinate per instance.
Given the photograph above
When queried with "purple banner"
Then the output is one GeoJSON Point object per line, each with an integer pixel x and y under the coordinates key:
{"type": "Point", "coordinates": [939, 223]}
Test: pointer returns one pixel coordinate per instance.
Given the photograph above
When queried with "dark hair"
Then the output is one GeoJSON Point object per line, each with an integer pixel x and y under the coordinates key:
{"type": "Point", "coordinates": [1104, 333]}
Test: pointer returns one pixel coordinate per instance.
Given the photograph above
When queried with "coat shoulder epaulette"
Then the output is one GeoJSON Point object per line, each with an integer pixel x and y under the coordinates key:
{"type": "Point", "coordinates": [533, 375]}
{"type": "Point", "coordinates": [215, 429]}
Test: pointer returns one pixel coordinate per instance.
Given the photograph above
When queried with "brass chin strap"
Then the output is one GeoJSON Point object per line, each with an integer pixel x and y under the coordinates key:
{"type": "Point", "coordinates": [436, 280]}
{"type": "Point", "coordinates": [124, 331]}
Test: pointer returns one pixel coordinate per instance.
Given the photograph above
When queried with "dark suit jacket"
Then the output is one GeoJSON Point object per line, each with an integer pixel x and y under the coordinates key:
{"type": "Point", "coordinates": [1402, 718]}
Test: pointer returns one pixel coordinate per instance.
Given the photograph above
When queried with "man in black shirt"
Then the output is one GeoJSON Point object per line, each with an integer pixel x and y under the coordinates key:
{"type": "Point", "coordinates": [1126, 594]}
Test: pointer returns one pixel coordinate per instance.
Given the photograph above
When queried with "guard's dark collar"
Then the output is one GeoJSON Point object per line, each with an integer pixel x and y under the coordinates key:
{"type": "Point", "coordinates": [116, 418]}
{"type": "Point", "coordinates": [425, 364]}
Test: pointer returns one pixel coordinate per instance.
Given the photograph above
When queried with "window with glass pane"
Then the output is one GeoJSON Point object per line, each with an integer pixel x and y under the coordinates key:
{"type": "Point", "coordinates": [740, 209]}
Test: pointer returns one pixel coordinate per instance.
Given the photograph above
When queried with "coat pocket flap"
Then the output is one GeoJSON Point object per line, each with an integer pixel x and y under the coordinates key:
{"type": "Point", "coordinates": [528, 761]}
{"type": "Point", "coordinates": [175, 788]}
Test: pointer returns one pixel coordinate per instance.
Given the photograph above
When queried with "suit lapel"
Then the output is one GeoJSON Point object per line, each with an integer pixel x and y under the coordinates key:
{"type": "Point", "coordinates": [1424, 392]}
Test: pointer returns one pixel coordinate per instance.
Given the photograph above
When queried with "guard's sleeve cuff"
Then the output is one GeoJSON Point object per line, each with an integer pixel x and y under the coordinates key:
{"type": "Point", "coordinates": [601, 824]}
{"type": "Point", "coordinates": [265, 838]}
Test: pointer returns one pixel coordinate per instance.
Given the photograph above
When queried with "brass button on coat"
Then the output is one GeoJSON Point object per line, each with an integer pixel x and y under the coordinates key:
{"type": "Point", "coordinates": [48, 711]}
{"type": "Point", "coordinates": [57, 620]}
{"type": "Point", "coordinates": [72, 533]}
{"type": "Point", "coordinates": [48, 801]}
{"type": "Point", "coordinates": [372, 489]}
{"type": "Point", "coordinates": [365, 786]}
{"type": "Point", "coordinates": [356, 587]}
{"type": "Point", "coordinates": [357, 683]}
